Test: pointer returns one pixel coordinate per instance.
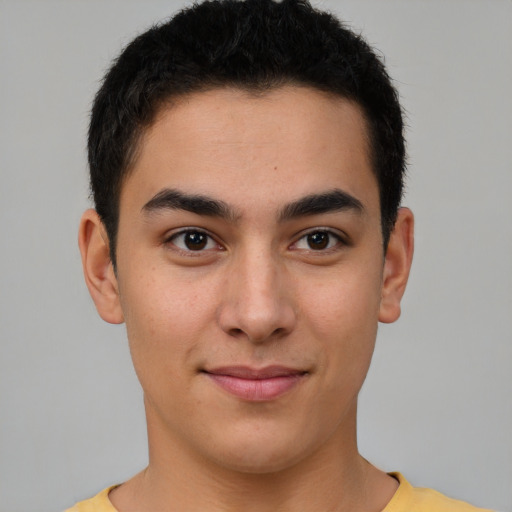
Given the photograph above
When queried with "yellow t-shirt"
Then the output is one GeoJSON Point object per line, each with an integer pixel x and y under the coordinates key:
{"type": "Point", "coordinates": [406, 499]}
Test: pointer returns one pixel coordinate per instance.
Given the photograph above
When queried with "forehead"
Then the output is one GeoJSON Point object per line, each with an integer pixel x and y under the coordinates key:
{"type": "Point", "coordinates": [236, 145]}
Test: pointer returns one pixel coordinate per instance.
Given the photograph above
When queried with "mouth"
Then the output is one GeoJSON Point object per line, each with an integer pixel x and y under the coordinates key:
{"type": "Point", "coordinates": [256, 385]}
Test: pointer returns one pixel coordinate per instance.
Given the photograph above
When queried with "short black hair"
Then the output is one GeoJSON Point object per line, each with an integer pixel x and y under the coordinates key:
{"type": "Point", "coordinates": [255, 45]}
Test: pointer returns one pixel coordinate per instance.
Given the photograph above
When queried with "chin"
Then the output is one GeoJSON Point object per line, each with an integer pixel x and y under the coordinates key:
{"type": "Point", "coordinates": [260, 462]}
{"type": "Point", "coordinates": [261, 452]}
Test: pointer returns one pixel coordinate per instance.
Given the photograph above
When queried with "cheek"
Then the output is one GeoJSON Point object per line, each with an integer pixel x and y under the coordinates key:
{"type": "Point", "coordinates": [347, 300]}
{"type": "Point", "coordinates": [161, 303]}
{"type": "Point", "coordinates": [165, 319]}
{"type": "Point", "coordinates": [343, 314]}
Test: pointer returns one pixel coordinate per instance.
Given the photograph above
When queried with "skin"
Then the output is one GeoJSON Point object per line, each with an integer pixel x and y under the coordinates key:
{"type": "Point", "coordinates": [259, 293]}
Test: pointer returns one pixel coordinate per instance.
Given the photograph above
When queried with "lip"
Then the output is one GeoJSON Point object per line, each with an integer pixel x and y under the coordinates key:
{"type": "Point", "coordinates": [256, 385]}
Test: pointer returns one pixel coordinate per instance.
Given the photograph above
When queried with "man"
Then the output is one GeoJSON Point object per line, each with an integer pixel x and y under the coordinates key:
{"type": "Point", "coordinates": [246, 163]}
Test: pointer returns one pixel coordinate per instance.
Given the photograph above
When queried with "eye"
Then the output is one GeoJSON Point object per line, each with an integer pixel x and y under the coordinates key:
{"type": "Point", "coordinates": [318, 240]}
{"type": "Point", "coordinates": [193, 240]}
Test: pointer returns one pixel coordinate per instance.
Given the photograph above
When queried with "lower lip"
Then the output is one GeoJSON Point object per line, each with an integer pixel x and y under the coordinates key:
{"type": "Point", "coordinates": [257, 390]}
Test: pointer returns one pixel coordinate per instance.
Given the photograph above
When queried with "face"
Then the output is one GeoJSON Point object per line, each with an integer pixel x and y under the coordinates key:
{"type": "Point", "coordinates": [250, 274]}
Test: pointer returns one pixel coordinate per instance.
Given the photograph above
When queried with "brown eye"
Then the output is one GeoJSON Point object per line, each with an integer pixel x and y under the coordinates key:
{"type": "Point", "coordinates": [193, 241]}
{"type": "Point", "coordinates": [318, 240]}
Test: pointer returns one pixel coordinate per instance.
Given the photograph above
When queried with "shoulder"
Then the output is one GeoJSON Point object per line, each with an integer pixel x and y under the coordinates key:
{"type": "Point", "coordinates": [408, 498]}
{"type": "Point", "coordinates": [99, 503]}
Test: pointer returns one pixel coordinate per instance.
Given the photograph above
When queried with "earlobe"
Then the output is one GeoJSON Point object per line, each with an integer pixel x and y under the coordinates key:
{"type": "Point", "coordinates": [97, 266]}
{"type": "Point", "coordinates": [397, 266]}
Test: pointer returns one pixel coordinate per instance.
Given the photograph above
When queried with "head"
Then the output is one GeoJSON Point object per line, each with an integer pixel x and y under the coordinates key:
{"type": "Point", "coordinates": [253, 45]}
{"type": "Point", "coordinates": [246, 161]}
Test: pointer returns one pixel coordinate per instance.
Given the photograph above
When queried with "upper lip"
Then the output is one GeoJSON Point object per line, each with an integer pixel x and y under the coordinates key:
{"type": "Point", "coordinates": [246, 372]}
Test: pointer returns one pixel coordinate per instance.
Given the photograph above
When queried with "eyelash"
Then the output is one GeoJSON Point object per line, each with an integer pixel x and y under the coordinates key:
{"type": "Point", "coordinates": [209, 240]}
{"type": "Point", "coordinates": [334, 240]}
{"type": "Point", "coordinates": [330, 246]}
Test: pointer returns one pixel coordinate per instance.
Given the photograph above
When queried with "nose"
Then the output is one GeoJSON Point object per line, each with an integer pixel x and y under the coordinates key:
{"type": "Point", "coordinates": [256, 301]}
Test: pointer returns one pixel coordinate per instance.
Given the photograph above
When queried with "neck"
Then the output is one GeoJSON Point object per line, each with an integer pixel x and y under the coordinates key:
{"type": "Point", "coordinates": [334, 477]}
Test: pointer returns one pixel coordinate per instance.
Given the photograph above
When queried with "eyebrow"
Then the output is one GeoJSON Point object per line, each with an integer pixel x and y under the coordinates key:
{"type": "Point", "coordinates": [315, 204]}
{"type": "Point", "coordinates": [172, 199]}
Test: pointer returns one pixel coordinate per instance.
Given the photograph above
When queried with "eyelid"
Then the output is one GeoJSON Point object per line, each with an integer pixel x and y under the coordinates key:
{"type": "Point", "coordinates": [341, 237]}
{"type": "Point", "coordinates": [169, 237]}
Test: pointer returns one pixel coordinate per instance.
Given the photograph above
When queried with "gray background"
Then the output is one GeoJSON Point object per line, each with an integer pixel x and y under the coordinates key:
{"type": "Point", "coordinates": [437, 404]}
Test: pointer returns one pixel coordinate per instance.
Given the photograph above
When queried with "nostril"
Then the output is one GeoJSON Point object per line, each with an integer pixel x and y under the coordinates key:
{"type": "Point", "coordinates": [259, 317]}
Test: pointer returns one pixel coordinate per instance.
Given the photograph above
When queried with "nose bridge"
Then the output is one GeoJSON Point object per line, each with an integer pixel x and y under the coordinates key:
{"type": "Point", "coordinates": [260, 282]}
{"type": "Point", "coordinates": [257, 303]}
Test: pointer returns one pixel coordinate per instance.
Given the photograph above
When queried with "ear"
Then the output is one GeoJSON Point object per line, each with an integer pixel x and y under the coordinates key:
{"type": "Point", "coordinates": [98, 270]}
{"type": "Point", "coordinates": [397, 266]}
